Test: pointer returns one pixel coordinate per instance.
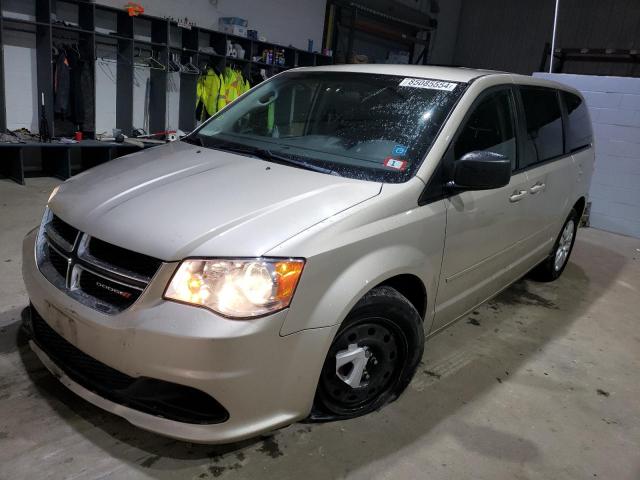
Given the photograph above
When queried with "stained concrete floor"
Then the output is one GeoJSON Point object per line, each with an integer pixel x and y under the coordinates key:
{"type": "Point", "coordinates": [542, 382]}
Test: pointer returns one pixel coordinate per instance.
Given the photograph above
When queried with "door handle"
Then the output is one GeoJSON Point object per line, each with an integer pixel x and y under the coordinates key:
{"type": "Point", "coordinates": [538, 187]}
{"type": "Point", "coordinates": [517, 196]}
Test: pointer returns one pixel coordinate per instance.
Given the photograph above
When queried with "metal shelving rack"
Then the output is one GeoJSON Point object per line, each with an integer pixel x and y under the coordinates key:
{"type": "Point", "coordinates": [630, 57]}
{"type": "Point", "coordinates": [126, 40]}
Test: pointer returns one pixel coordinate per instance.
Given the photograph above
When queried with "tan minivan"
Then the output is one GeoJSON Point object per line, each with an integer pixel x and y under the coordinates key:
{"type": "Point", "coordinates": [288, 259]}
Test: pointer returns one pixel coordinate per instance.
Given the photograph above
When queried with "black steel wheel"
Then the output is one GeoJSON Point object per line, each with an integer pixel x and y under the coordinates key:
{"type": "Point", "coordinates": [372, 358]}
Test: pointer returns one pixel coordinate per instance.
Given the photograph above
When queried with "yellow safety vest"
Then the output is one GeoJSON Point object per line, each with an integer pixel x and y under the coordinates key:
{"type": "Point", "coordinates": [234, 85]}
{"type": "Point", "coordinates": [209, 92]}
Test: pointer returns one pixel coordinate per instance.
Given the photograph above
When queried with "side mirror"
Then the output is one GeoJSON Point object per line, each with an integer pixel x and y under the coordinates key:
{"type": "Point", "coordinates": [481, 170]}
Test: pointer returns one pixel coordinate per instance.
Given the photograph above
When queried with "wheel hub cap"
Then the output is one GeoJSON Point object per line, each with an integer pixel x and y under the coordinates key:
{"type": "Point", "coordinates": [564, 245]}
{"type": "Point", "coordinates": [351, 365]}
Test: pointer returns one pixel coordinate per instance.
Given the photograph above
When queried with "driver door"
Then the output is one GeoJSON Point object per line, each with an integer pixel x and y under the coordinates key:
{"type": "Point", "coordinates": [485, 229]}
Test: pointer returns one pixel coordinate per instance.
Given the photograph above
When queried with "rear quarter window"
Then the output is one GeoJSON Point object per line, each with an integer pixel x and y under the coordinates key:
{"type": "Point", "coordinates": [578, 131]}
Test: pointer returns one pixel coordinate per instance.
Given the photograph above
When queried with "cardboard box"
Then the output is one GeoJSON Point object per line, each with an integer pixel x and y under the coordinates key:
{"type": "Point", "coordinates": [235, 30]}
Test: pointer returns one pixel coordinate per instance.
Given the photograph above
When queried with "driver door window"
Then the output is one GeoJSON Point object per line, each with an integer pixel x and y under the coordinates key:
{"type": "Point", "coordinates": [490, 127]}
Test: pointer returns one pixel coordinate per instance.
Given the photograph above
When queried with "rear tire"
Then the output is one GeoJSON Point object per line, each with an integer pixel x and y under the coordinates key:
{"type": "Point", "coordinates": [384, 332]}
{"type": "Point", "coordinates": [553, 266]}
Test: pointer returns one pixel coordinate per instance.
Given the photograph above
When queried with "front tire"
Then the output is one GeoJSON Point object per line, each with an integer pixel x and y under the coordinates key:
{"type": "Point", "coordinates": [373, 357]}
{"type": "Point", "coordinates": [553, 266]}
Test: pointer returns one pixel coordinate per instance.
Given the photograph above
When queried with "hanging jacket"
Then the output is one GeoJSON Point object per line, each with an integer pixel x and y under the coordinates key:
{"type": "Point", "coordinates": [87, 87]}
{"type": "Point", "coordinates": [230, 93]}
{"type": "Point", "coordinates": [234, 84]}
{"type": "Point", "coordinates": [222, 100]}
{"type": "Point", "coordinates": [215, 92]}
{"type": "Point", "coordinates": [62, 85]}
{"type": "Point", "coordinates": [209, 91]}
{"type": "Point", "coordinates": [76, 107]}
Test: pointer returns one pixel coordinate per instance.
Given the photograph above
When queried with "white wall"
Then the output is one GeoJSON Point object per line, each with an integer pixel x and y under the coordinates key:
{"type": "Point", "coordinates": [173, 101]}
{"type": "Point", "coordinates": [614, 105]}
{"type": "Point", "coordinates": [21, 80]}
{"type": "Point", "coordinates": [106, 98]}
{"type": "Point", "coordinates": [141, 78]}
{"type": "Point", "coordinates": [281, 21]}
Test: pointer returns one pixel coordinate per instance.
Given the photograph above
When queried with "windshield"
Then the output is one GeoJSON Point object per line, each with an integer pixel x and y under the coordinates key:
{"type": "Point", "coordinates": [370, 127]}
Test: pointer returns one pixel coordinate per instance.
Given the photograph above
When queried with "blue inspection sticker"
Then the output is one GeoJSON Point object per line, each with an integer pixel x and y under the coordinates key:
{"type": "Point", "coordinates": [400, 150]}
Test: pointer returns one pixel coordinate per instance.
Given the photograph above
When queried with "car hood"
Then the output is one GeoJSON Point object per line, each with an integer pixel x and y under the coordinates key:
{"type": "Point", "coordinates": [180, 200]}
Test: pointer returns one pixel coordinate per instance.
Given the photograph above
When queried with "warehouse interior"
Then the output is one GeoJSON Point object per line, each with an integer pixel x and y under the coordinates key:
{"type": "Point", "coordinates": [538, 382]}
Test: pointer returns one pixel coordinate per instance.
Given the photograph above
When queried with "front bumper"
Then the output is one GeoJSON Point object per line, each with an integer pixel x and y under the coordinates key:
{"type": "Point", "coordinates": [263, 380]}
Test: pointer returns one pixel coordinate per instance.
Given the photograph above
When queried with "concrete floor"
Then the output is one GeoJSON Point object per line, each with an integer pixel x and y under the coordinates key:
{"type": "Point", "coordinates": [541, 382]}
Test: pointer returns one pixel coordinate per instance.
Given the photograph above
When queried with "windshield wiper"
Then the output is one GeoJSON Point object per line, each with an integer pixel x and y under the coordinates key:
{"type": "Point", "coordinates": [194, 139]}
{"type": "Point", "coordinates": [275, 157]}
{"type": "Point", "coordinates": [266, 154]}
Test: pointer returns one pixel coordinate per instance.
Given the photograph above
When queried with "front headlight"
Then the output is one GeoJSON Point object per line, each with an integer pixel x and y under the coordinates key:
{"type": "Point", "coordinates": [242, 288]}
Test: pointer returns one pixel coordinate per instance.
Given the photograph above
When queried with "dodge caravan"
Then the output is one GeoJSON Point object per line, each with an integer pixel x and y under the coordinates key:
{"type": "Point", "coordinates": [288, 259]}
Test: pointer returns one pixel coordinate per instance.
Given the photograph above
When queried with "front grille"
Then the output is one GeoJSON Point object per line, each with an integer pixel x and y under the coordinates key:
{"type": "Point", "coordinates": [148, 395]}
{"type": "Point", "coordinates": [122, 258]}
{"type": "Point", "coordinates": [64, 230]}
{"type": "Point", "coordinates": [106, 290]}
{"type": "Point", "coordinates": [58, 261]}
{"type": "Point", "coordinates": [102, 276]}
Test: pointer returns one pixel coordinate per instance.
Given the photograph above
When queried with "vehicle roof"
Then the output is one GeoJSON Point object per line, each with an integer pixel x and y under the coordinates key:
{"type": "Point", "coordinates": [452, 74]}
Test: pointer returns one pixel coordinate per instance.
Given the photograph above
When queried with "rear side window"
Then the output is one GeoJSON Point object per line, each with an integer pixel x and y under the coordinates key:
{"type": "Point", "coordinates": [489, 127]}
{"type": "Point", "coordinates": [578, 130]}
{"type": "Point", "coordinates": [543, 122]}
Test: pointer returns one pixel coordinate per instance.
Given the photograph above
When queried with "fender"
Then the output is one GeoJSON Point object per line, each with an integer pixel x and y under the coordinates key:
{"type": "Point", "coordinates": [357, 277]}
